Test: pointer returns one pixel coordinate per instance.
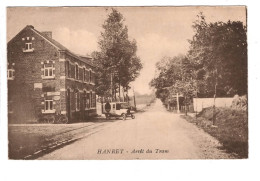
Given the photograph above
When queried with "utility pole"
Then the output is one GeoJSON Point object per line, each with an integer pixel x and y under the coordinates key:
{"type": "Point", "coordinates": [112, 86]}
{"type": "Point", "coordinates": [134, 97]}
{"type": "Point", "coordinates": [178, 105]}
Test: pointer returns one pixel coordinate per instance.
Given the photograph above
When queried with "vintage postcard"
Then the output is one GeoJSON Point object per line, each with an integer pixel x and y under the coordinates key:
{"type": "Point", "coordinates": [126, 83]}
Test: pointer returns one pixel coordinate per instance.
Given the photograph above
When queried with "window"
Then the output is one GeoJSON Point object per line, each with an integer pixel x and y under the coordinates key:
{"type": "Point", "coordinates": [77, 103]}
{"type": "Point", "coordinates": [10, 74]}
{"type": "Point", "coordinates": [48, 71]}
{"type": "Point", "coordinates": [68, 68]}
{"type": "Point", "coordinates": [28, 47]}
{"type": "Point", "coordinates": [84, 100]}
{"type": "Point", "coordinates": [77, 72]}
{"type": "Point", "coordinates": [87, 76]}
{"type": "Point", "coordinates": [10, 106]}
{"type": "Point", "coordinates": [93, 99]}
{"type": "Point", "coordinates": [48, 105]}
{"type": "Point", "coordinates": [84, 73]}
{"type": "Point", "coordinates": [118, 106]}
{"type": "Point", "coordinates": [93, 77]}
{"type": "Point", "coordinates": [88, 101]}
{"type": "Point", "coordinates": [90, 76]}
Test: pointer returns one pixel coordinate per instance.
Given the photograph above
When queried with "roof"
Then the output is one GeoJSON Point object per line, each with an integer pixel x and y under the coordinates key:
{"type": "Point", "coordinates": [87, 59]}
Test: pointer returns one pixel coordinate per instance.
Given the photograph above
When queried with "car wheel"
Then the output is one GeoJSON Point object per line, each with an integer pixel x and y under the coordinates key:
{"type": "Point", "coordinates": [124, 116]}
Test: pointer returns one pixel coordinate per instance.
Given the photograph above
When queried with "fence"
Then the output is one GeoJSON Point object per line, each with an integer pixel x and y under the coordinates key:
{"type": "Point", "coordinates": [182, 108]}
{"type": "Point", "coordinates": [200, 103]}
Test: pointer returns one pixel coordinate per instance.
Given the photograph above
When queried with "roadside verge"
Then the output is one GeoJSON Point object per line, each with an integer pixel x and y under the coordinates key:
{"type": "Point", "coordinates": [231, 128]}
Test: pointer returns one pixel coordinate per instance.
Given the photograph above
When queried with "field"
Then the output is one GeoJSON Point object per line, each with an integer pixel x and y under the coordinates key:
{"type": "Point", "coordinates": [142, 100]}
{"type": "Point", "coordinates": [231, 128]}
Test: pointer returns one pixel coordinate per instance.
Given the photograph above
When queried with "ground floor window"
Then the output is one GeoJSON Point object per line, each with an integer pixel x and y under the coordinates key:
{"type": "Point", "coordinates": [10, 74]}
{"type": "Point", "coordinates": [77, 101]}
{"type": "Point", "coordinates": [48, 105]}
{"type": "Point", "coordinates": [10, 107]}
{"type": "Point", "coordinates": [88, 101]}
{"type": "Point", "coordinates": [93, 100]}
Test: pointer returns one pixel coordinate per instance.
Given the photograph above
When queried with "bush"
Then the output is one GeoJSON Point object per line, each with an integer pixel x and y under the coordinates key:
{"type": "Point", "coordinates": [231, 130]}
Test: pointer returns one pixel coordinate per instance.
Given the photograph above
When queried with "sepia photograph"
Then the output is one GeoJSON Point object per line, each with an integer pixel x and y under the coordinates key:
{"type": "Point", "coordinates": [127, 83]}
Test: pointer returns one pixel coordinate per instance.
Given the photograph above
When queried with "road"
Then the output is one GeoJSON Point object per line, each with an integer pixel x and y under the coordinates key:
{"type": "Point", "coordinates": [153, 134]}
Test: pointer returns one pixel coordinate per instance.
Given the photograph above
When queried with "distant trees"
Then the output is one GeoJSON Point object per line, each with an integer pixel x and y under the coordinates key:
{"type": "Point", "coordinates": [118, 64]}
{"type": "Point", "coordinates": [215, 65]}
{"type": "Point", "coordinates": [175, 76]}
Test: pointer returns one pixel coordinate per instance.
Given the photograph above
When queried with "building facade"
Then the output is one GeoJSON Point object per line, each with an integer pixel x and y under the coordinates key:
{"type": "Point", "coordinates": [45, 78]}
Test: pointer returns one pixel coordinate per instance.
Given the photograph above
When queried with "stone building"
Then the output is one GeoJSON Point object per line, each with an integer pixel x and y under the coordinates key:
{"type": "Point", "coordinates": [44, 78]}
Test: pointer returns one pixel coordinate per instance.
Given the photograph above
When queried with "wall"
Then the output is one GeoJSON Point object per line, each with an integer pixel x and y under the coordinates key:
{"type": "Point", "coordinates": [200, 103]}
{"type": "Point", "coordinates": [78, 85]}
{"type": "Point", "coordinates": [27, 100]}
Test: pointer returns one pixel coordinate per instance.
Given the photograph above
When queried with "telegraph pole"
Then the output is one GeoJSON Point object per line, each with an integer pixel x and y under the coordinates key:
{"type": "Point", "coordinates": [178, 105]}
{"type": "Point", "coordinates": [134, 97]}
{"type": "Point", "coordinates": [112, 87]}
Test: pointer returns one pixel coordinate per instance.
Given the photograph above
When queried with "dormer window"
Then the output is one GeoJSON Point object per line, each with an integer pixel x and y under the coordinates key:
{"type": "Point", "coordinates": [28, 47]}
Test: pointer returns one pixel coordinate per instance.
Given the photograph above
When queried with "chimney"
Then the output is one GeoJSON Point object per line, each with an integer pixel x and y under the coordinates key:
{"type": "Point", "coordinates": [30, 26]}
{"type": "Point", "coordinates": [47, 33]}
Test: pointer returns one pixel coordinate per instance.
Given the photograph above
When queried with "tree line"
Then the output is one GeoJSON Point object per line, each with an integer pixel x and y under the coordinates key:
{"type": "Point", "coordinates": [214, 66]}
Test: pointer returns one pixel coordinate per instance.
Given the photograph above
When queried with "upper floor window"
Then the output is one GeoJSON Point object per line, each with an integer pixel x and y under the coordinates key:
{"type": "Point", "coordinates": [10, 74]}
{"type": "Point", "coordinates": [28, 47]}
{"type": "Point", "coordinates": [76, 71]}
{"type": "Point", "coordinates": [68, 69]}
{"type": "Point", "coordinates": [90, 76]}
{"type": "Point", "coordinates": [48, 71]}
{"type": "Point", "coordinates": [84, 74]}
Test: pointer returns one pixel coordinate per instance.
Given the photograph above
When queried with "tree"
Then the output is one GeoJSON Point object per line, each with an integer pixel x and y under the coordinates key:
{"type": "Point", "coordinates": [218, 52]}
{"type": "Point", "coordinates": [117, 59]}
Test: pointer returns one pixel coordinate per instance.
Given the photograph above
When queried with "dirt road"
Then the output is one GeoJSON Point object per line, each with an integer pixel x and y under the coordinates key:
{"type": "Point", "coordinates": [154, 134]}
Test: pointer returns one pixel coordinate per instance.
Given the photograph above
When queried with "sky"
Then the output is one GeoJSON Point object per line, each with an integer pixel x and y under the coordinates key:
{"type": "Point", "coordinates": [158, 31]}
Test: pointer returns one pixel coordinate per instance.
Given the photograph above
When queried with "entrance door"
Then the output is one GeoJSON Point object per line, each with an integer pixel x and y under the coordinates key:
{"type": "Point", "coordinates": [68, 104]}
{"type": "Point", "coordinates": [84, 104]}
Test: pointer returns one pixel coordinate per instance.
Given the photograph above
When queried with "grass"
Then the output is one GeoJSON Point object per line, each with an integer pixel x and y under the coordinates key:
{"type": "Point", "coordinates": [231, 128]}
{"type": "Point", "coordinates": [27, 139]}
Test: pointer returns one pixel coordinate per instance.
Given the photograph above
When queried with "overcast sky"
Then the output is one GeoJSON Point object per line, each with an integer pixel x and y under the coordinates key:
{"type": "Point", "coordinates": [159, 32]}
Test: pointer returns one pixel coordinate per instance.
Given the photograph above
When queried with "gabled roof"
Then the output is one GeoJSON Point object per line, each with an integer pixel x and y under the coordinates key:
{"type": "Point", "coordinates": [86, 59]}
{"type": "Point", "coordinates": [54, 42]}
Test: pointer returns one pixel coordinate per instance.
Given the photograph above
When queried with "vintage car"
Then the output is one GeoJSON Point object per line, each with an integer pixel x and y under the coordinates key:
{"type": "Point", "coordinates": [117, 110]}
